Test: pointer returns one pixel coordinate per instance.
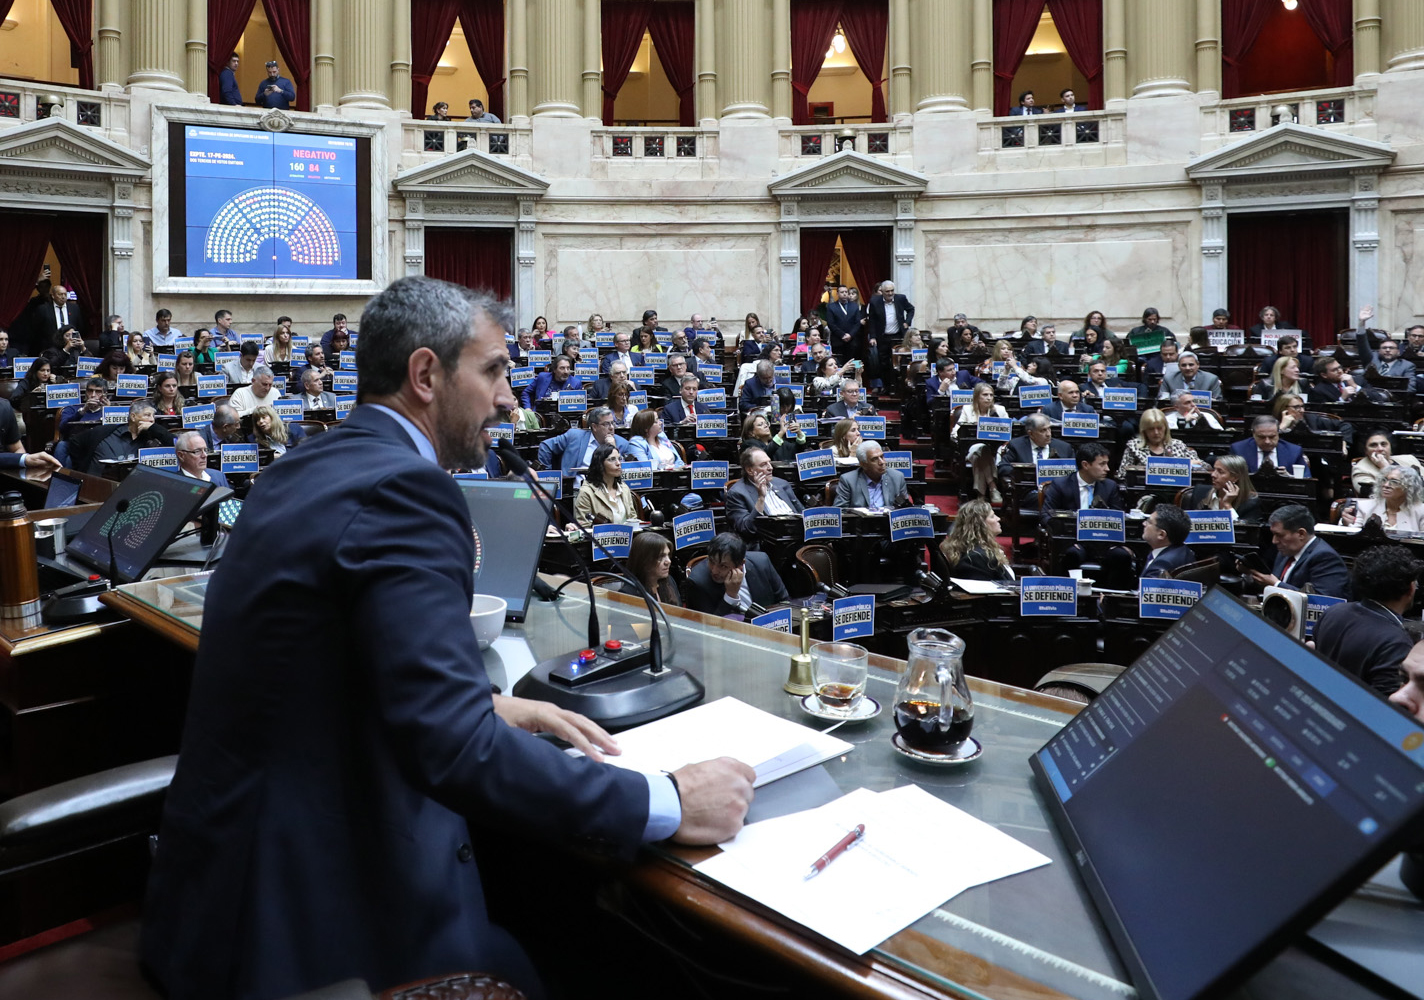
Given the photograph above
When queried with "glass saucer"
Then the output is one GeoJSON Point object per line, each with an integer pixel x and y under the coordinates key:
{"type": "Point", "coordinates": [970, 749]}
{"type": "Point", "coordinates": [866, 708]}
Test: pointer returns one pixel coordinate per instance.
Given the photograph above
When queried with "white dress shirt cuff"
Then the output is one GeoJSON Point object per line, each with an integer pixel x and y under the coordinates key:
{"type": "Point", "coordinates": [664, 809]}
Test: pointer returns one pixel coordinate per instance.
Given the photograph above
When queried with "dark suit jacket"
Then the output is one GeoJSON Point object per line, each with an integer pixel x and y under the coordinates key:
{"type": "Point", "coordinates": [1366, 642]}
{"type": "Point", "coordinates": [706, 595]}
{"type": "Point", "coordinates": [839, 411]}
{"type": "Point", "coordinates": [853, 490]}
{"type": "Point", "coordinates": [43, 327]}
{"type": "Point", "coordinates": [1053, 410]}
{"type": "Point", "coordinates": [741, 498]}
{"type": "Point", "coordinates": [1248, 511]}
{"type": "Point", "coordinates": [975, 565]}
{"type": "Point", "coordinates": [875, 312]}
{"type": "Point", "coordinates": [844, 318]}
{"type": "Point", "coordinates": [1019, 451]}
{"type": "Point", "coordinates": [1062, 494]}
{"type": "Point", "coordinates": [1319, 567]}
{"type": "Point", "coordinates": [1021, 110]}
{"type": "Point", "coordinates": [1322, 391]}
{"type": "Point", "coordinates": [1168, 561]}
{"type": "Point", "coordinates": [1061, 349]}
{"type": "Point", "coordinates": [673, 386]}
{"type": "Point", "coordinates": [1289, 454]}
{"type": "Point", "coordinates": [674, 411]}
{"type": "Point", "coordinates": [611, 357]}
{"type": "Point", "coordinates": [755, 394]}
{"type": "Point", "coordinates": [315, 829]}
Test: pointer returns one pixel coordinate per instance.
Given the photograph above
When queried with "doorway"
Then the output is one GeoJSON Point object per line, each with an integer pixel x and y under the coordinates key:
{"type": "Point", "coordinates": [482, 259]}
{"type": "Point", "coordinates": [857, 258]}
{"type": "Point", "coordinates": [1298, 262]}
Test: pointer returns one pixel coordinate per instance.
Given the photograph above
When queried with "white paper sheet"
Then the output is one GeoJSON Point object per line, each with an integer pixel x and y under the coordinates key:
{"type": "Point", "coordinates": [917, 852]}
{"type": "Point", "coordinates": [979, 586]}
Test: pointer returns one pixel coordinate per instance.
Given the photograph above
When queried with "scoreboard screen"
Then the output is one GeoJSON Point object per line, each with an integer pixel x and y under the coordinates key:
{"type": "Point", "coordinates": [255, 204]}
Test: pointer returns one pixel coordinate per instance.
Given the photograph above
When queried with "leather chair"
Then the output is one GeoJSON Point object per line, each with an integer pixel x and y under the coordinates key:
{"type": "Point", "coordinates": [820, 563]}
{"type": "Point", "coordinates": [1206, 572]}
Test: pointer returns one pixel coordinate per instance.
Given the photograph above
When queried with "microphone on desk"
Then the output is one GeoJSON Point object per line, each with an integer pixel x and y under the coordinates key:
{"type": "Point", "coordinates": [120, 509]}
{"type": "Point", "coordinates": [832, 591]}
{"type": "Point", "coordinates": [931, 581]}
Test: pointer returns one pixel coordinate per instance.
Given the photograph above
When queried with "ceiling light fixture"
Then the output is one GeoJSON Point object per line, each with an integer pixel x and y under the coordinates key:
{"type": "Point", "coordinates": [1290, 4]}
{"type": "Point", "coordinates": [838, 44]}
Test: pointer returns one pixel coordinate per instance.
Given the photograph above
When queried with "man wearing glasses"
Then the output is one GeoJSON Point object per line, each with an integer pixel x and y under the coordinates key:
{"type": "Point", "coordinates": [573, 449]}
{"type": "Point", "coordinates": [192, 452]}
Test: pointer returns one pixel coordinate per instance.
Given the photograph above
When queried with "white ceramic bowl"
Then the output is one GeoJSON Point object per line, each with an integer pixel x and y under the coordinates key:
{"type": "Point", "coordinates": [487, 618]}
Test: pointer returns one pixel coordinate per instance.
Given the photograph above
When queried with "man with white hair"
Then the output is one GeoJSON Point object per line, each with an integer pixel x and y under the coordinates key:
{"type": "Point", "coordinates": [262, 392]}
{"type": "Point", "coordinates": [873, 485]}
{"type": "Point", "coordinates": [313, 396]}
{"type": "Point", "coordinates": [1189, 376]}
{"type": "Point", "coordinates": [192, 452]}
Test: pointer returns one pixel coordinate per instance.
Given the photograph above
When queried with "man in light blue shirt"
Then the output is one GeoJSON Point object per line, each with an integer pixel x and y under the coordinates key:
{"type": "Point", "coordinates": [163, 333]}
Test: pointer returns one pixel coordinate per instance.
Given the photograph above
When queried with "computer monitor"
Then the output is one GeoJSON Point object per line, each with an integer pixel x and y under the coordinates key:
{"type": "Point", "coordinates": [63, 491]}
{"type": "Point", "coordinates": [158, 505]}
{"type": "Point", "coordinates": [509, 524]}
{"type": "Point", "coordinates": [1224, 793]}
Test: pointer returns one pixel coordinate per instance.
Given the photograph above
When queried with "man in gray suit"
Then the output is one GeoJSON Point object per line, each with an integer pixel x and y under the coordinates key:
{"type": "Point", "coordinates": [758, 492]}
{"type": "Point", "coordinates": [872, 485]}
{"type": "Point", "coordinates": [1189, 377]}
{"type": "Point", "coordinates": [1388, 362]}
{"type": "Point", "coordinates": [313, 398]}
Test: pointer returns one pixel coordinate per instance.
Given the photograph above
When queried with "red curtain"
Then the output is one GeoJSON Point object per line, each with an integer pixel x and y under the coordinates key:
{"type": "Point", "coordinates": [817, 247]}
{"type": "Point", "coordinates": [624, 22]}
{"type": "Point", "coordinates": [674, 38]}
{"type": "Point", "coordinates": [26, 237]}
{"type": "Point", "coordinates": [227, 20]}
{"type": "Point", "coordinates": [78, 242]}
{"type": "Point", "coordinates": [813, 25]}
{"type": "Point", "coordinates": [865, 23]}
{"type": "Point", "coordinates": [867, 251]}
{"type": "Point", "coordinates": [476, 258]}
{"type": "Point", "coordinates": [1241, 22]}
{"type": "Point", "coordinates": [77, 19]}
{"type": "Point", "coordinates": [431, 22]}
{"type": "Point", "coordinates": [1295, 262]}
{"type": "Point", "coordinates": [482, 21]}
{"type": "Point", "coordinates": [1334, 22]}
{"type": "Point", "coordinates": [1080, 24]}
{"type": "Point", "coordinates": [1015, 21]}
{"type": "Point", "coordinates": [291, 27]}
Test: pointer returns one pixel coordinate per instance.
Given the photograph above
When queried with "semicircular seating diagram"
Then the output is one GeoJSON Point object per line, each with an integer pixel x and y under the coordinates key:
{"type": "Point", "coordinates": [251, 217]}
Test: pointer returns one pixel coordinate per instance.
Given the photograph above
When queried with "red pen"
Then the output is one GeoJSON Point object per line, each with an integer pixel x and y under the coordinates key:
{"type": "Point", "coordinates": [841, 846]}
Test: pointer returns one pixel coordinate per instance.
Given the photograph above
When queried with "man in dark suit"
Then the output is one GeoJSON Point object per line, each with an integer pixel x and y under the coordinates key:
{"type": "Point", "coordinates": [1038, 443]}
{"type": "Point", "coordinates": [1303, 561]}
{"type": "Point", "coordinates": [872, 485]}
{"type": "Point", "coordinates": [1334, 385]}
{"type": "Point", "coordinates": [758, 492]}
{"type": "Point", "coordinates": [622, 351]}
{"type": "Point", "coordinates": [572, 449]}
{"type": "Point", "coordinates": [617, 375]}
{"type": "Point", "coordinates": [1165, 532]}
{"type": "Point", "coordinates": [888, 315]}
{"type": "Point", "coordinates": [52, 313]}
{"type": "Point", "coordinates": [731, 579]}
{"type": "Point", "coordinates": [683, 408]}
{"type": "Point", "coordinates": [671, 383]}
{"type": "Point", "coordinates": [1265, 446]}
{"type": "Point", "coordinates": [1366, 637]}
{"type": "Point", "coordinates": [1070, 398]}
{"type": "Point", "coordinates": [1389, 363]}
{"type": "Point", "coordinates": [850, 404]}
{"type": "Point", "coordinates": [760, 389]}
{"type": "Point", "coordinates": [1047, 342]}
{"type": "Point", "coordinates": [1089, 487]}
{"type": "Point", "coordinates": [315, 829]}
{"type": "Point", "coordinates": [1098, 380]}
{"type": "Point", "coordinates": [192, 452]}
{"type": "Point", "coordinates": [1026, 105]}
{"type": "Point", "coordinates": [843, 316]}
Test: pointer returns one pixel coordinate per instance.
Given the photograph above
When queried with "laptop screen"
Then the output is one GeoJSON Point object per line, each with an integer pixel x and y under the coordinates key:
{"type": "Point", "coordinates": [63, 491]}
{"type": "Point", "coordinates": [156, 506]}
{"type": "Point", "coordinates": [1224, 792]}
{"type": "Point", "coordinates": [509, 525]}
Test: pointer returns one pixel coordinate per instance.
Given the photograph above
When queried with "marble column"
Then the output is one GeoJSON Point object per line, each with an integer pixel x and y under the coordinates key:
{"type": "Point", "coordinates": [1404, 34]}
{"type": "Point", "coordinates": [905, 246]}
{"type": "Point", "coordinates": [1160, 31]}
{"type": "Point", "coordinates": [1364, 243]}
{"type": "Point", "coordinates": [1209, 46]}
{"type": "Point", "coordinates": [557, 28]}
{"type": "Point", "coordinates": [790, 259]}
{"type": "Point", "coordinates": [743, 77]}
{"type": "Point", "coordinates": [705, 28]}
{"type": "Point", "coordinates": [159, 32]}
{"type": "Point", "coordinates": [781, 59]}
{"type": "Point", "coordinates": [900, 99]}
{"type": "Point", "coordinates": [944, 53]}
{"type": "Point", "coordinates": [593, 60]}
{"type": "Point", "coordinates": [1114, 51]}
{"type": "Point", "coordinates": [399, 88]}
{"type": "Point", "coordinates": [365, 53]}
{"type": "Point", "coordinates": [518, 104]}
{"type": "Point", "coordinates": [324, 53]}
{"type": "Point", "coordinates": [524, 260]}
{"type": "Point", "coordinates": [1213, 248]}
{"type": "Point", "coordinates": [196, 67]}
{"type": "Point", "coordinates": [1367, 38]}
{"type": "Point", "coordinates": [111, 64]}
{"type": "Point", "coordinates": [981, 56]}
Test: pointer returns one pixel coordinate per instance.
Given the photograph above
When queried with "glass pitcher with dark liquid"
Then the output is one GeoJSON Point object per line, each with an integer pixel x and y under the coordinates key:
{"type": "Point", "coordinates": [934, 712]}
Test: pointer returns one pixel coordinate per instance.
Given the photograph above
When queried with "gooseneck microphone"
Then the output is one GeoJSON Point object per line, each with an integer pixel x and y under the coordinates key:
{"type": "Point", "coordinates": [120, 509]}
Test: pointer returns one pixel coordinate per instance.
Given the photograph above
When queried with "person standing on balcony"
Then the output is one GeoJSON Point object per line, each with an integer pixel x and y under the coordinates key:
{"type": "Point", "coordinates": [478, 113]}
{"type": "Point", "coordinates": [275, 91]}
{"type": "Point", "coordinates": [228, 91]}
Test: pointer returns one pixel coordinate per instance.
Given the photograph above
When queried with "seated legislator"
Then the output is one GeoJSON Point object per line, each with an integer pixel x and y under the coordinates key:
{"type": "Point", "coordinates": [619, 404]}
{"type": "Point", "coordinates": [971, 548]}
{"type": "Point", "coordinates": [1366, 637]}
{"type": "Point", "coordinates": [12, 449]}
{"type": "Point", "coordinates": [1154, 440]}
{"type": "Point", "coordinates": [238, 371]}
{"type": "Point", "coordinates": [617, 375]}
{"type": "Point", "coordinates": [831, 375]}
{"type": "Point", "coordinates": [758, 492]}
{"type": "Point", "coordinates": [1186, 415]}
{"type": "Point", "coordinates": [1334, 384]}
{"type": "Point", "coordinates": [271, 431]}
{"type": "Point", "coordinates": [1388, 362]}
{"type": "Point", "coordinates": [671, 383]}
{"type": "Point", "coordinates": [1090, 487]}
{"type": "Point", "coordinates": [872, 486]}
{"type": "Point", "coordinates": [1366, 473]}
{"type": "Point", "coordinates": [1399, 504]}
{"type": "Point", "coordinates": [1304, 561]}
{"type": "Point", "coordinates": [1189, 377]}
{"type": "Point", "coordinates": [262, 391]}
{"type": "Point", "coordinates": [1036, 445]}
{"type": "Point", "coordinates": [1070, 398]}
{"type": "Point", "coordinates": [140, 354]}
{"type": "Point", "coordinates": [192, 453]}
{"type": "Point", "coordinates": [1165, 532]}
{"type": "Point", "coordinates": [1288, 347]}
{"type": "Point", "coordinates": [1099, 379]}
{"type": "Point", "coordinates": [981, 454]}
{"type": "Point", "coordinates": [1047, 343]}
{"type": "Point", "coordinates": [650, 560]}
{"type": "Point", "coordinates": [1285, 377]}
{"type": "Point", "coordinates": [165, 399]}
{"type": "Point", "coordinates": [760, 389]}
{"type": "Point", "coordinates": [684, 408]}
{"type": "Point", "coordinates": [845, 438]}
{"type": "Point", "coordinates": [95, 397]}
{"type": "Point", "coordinates": [558, 378]}
{"type": "Point", "coordinates": [121, 444]}
{"type": "Point", "coordinates": [322, 835]}
{"type": "Point", "coordinates": [33, 381]}
{"type": "Point", "coordinates": [1231, 489]}
{"type": "Point", "coordinates": [731, 579]}
{"type": "Point", "coordinates": [850, 404]}
{"type": "Point", "coordinates": [1264, 449]}
{"type": "Point", "coordinates": [648, 443]}
{"type": "Point", "coordinates": [756, 432]}
{"type": "Point", "coordinates": [1298, 423]}
{"type": "Point", "coordinates": [314, 397]}
{"type": "Point", "coordinates": [604, 498]}
{"type": "Point", "coordinates": [574, 448]}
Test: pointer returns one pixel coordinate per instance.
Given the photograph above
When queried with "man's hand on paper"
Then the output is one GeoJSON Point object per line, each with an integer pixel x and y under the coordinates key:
{"type": "Point", "coordinates": [541, 717]}
{"type": "Point", "coordinates": [716, 795]}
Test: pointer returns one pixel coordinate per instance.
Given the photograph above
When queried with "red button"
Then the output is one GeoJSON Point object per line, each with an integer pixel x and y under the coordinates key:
{"type": "Point", "coordinates": [587, 655]}
{"type": "Point", "coordinates": [94, 577]}
{"type": "Point", "coordinates": [612, 646]}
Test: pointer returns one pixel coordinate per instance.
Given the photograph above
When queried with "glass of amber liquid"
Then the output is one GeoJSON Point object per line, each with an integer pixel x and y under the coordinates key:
{"type": "Point", "coordinates": [838, 671]}
{"type": "Point", "coordinates": [934, 712]}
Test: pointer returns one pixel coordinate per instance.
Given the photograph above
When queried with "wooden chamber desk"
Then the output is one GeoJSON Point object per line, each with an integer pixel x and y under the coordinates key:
{"type": "Point", "coordinates": [1034, 935]}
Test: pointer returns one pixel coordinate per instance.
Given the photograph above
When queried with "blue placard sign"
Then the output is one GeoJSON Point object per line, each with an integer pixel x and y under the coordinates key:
{"type": "Point", "coordinates": [782, 375]}
{"type": "Point", "coordinates": [501, 432]}
{"type": "Point", "coordinates": [86, 366]}
{"type": "Point", "coordinates": [1119, 399]}
{"type": "Point", "coordinates": [288, 409]}
{"type": "Point", "coordinates": [1102, 526]}
{"type": "Point", "coordinates": [552, 480]}
{"type": "Point", "coordinates": [1048, 595]}
{"type": "Point", "coordinates": [961, 397]}
{"type": "Point", "coordinates": [817, 464]}
{"type": "Point", "coordinates": [344, 405]}
{"type": "Point", "coordinates": [612, 541]}
{"type": "Point", "coordinates": [994, 429]}
{"type": "Point", "coordinates": [1049, 469]}
{"type": "Point", "coordinates": [573, 401]}
{"type": "Point", "coordinates": [1166, 598]}
{"type": "Point", "coordinates": [158, 458]}
{"type": "Point", "coordinates": [472, 474]}
{"type": "Point", "coordinates": [692, 528]}
{"type": "Point", "coordinates": [655, 359]}
{"type": "Point", "coordinates": [638, 399]}
{"type": "Point", "coordinates": [1169, 471]}
{"type": "Point", "coordinates": [197, 417]}
{"type": "Point", "coordinates": [1080, 425]}
{"type": "Point", "coordinates": [61, 394]}
{"type": "Point", "coordinates": [871, 428]}
{"type": "Point", "coordinates": [211, 386]}
{"type": "Point", "coordinates": [901, 461]}
{"type": "Point", "coordinates": [777, 621]}
{"type": "Point", "coordinates": [343, 381]}
{"type": "Point", "coordinates": [521, 376]}
{"type": "Point", "coordinates": [853, 617]}
{"type": "Point", "coordinates": [1211, 527]}
{"type": "Point", "coordinates": [586, 370]}
{"type": "Point", "coordinates": [642, 375]}
{"type": "Point", "coordinates": [603, 338]}
{"type": "Point", "coordinates": [910, 523]}
{"type": "Point", "coordinates": [712, 373]}
{"type": "Point", "coordinates": [115, 415]}
{"type": "Point", "coordinates": [638, 475]}
{"type": "Point", "coordinates": [799, 393]}
{"type": "Point", "coordinates": [1203, 398]}
{"type": "Point", "coordinates": [130, 386]}
{"type": "Point", "coordinates": [251, 338]}
{"type": "Point", "coordinates": [540, 358]}
{"type": "Point", "coordinates": [22, 365]}
{"type": "Point", "coordinates": [167, 362]}
{"type": "Point", "coordinates": [1034, 395]}
{"type": "Point", "coordinates": [711, 425]}
{"type": "Point", "coordinates": [223, 357]}
{"type": "Point", "coordinates": [715, 399]}
{"type": "Point", "coordinates": [919, 353]}
{"type": "Point", "coordinates": [1315, 606]}
{"type": "Point", "coordinates": [820, 522]}
{"type": "Point", "coordinates": [347, 360]}
{"type": "Point", "coordinates": [709, 476]}
{"type": "Point", "coordinates": [239, 458]}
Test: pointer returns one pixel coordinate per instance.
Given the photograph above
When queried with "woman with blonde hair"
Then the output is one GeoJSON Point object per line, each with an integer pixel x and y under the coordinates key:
{"type": "Point", "coordinates": [1284, 378]}
{"type": "Point", "coordinates": [617, 401]}
{"type": "Point", "coordinates": [270, 431]}
{"type": "Point", "coordinates": [1154, 440]}
{"type": "Point", "coordinates": [280, 347]}
{"type": "Point", "coordinates": [845, 438]}
{"type": "Point", "coordinates": [971, 549]}
{"type": "Point", "coordinates": [980, 457]}
{"type": "Point", "coordinates": [1231, 489]}
{"type": "Point", "coordinates": [140, 354]}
